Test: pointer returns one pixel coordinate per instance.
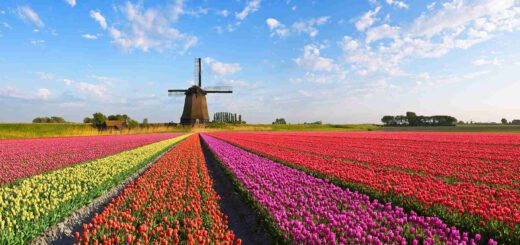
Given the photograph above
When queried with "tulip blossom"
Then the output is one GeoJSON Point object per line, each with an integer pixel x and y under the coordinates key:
{"type": "Point", "coordinates": [310, 210]}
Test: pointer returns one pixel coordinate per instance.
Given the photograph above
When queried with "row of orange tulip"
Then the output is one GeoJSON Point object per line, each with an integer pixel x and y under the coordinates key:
{"type": "Point", "coordinates": [173, 202]}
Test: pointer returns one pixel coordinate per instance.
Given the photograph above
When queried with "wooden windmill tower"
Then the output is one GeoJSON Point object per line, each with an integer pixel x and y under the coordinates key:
{"type": "Point", "coordinates": [195, 105]}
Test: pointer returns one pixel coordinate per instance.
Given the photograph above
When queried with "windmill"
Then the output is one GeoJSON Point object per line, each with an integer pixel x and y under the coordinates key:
{"type": "Point", "coordinates": [195, 105]}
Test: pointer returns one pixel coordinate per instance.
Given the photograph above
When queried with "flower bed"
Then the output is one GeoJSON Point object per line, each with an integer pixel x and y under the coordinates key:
{"type": "Point", "coordinates": [410, 169]}
{"type": "Point", "coordinates": [21, 158]}
{"type": "Point", "coordinates": [29, 206]}
{"type": "Point", "coordinates": [313, 211]}
{"type": "Point", "coordinates": [173, 202]}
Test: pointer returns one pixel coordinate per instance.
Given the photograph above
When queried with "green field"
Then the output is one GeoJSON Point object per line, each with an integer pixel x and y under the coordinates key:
{"type": "Point", "coordinates": [294, 127]}
{"type": "Point", "coordinates": [37, 130]}
{"type": "Point", "coordinates": [498, 128]}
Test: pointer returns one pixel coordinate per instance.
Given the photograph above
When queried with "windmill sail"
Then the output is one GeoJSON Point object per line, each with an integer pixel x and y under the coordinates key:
{"type": "Point", "coordinates": [219, 89]}
{"type": "Point", "coordinates": [198, 72]}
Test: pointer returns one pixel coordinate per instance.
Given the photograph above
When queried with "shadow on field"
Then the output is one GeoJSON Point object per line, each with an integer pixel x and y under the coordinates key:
{"type": "Point", "coordinates": [242, 218]}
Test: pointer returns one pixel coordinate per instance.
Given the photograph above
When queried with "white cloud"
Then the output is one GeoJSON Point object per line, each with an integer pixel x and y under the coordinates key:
{"type": "Point", "coordinates": [272, 23]}
{"type": "Point", "coordinates": [68, 82]}
{"type": "Point", "coordinates": [224, 13]}
{"type": "Point", "coordinates": [367, 19]}
{"type": "Point", "coordinates": [222, 69]}
{"type": "Point", "coordinates": [308, 27]}
{"type": "Point", "coordinates": [100, 19]}
{"type": "Point", "coordinates": [427, 80]}
{"type": "Point", "coordinates": [381, 32]}
{"type": "Point", "coordinates": [399, 4]}
{"type": "Point", "coordinates": [106, 80]}
{"type": "Point", "coordinates": [151, 29]}
{"type": "Point", "coordinates": [94, 89]}
{"type": "Point", "coordinates": [251, 7]}
{"type": "Point", "coordinates": [431, 6]}
{"type": "Point", "coordinates": [13, 92]}
{"type": "Point", "coordinates": [312, 60]}
{"type": "Point", "coordinates": [46, 76]}
{"type": "Point", "coordinates": [349, 44]}
{"type": "Point", "coordinates": [6, 25]}
{"type": "Point", "coordinates": [460, 14]}
{"type": "Point", "coordinates": [277, 28]}
{"type": "Point", "coordinates": [484, 62]}
{"type": "Point", "coordinates": [364, 60]}
{"type": "Point", "coordinates": [196, 12]}
{"type": "Point", "coordinates": [43, 93]}
{"type": "Point", "coordinates": [26, 13]}
{"type": "Point", "coordinates": [38, 42]}
{"type": "Point", "coordinates": [452, 25]}
{"type": "Point", "coordinates": [305, 93]}
{"type": "Point", "coordinates": [71, 2]}
{"type": "Point", "coordinates": [89, 36]}
{"type": "Point", "coordinates": [239, 83]}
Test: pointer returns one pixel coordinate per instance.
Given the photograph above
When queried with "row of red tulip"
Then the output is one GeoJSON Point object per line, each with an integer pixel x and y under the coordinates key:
{"type": "Point", "coordinates": [21, 158]}
{"type": "Point", "coordinates": [490, 164]}
{"type": "Point", "coordinates": [173, 202]}
{"type": "Point", "coordinates": [489, 208]}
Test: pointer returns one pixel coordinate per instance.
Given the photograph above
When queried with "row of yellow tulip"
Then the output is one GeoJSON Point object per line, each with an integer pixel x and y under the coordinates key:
{"type": "Point", "coordinates": [30, 206]}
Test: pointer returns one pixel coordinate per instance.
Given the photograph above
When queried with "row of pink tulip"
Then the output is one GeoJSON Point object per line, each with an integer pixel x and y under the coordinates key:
{"type": "Point", "coordinates": [21, 158]}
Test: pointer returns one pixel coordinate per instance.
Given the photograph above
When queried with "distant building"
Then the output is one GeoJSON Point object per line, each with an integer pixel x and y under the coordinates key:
{"type": "Point", "coordinates": [116, 124]}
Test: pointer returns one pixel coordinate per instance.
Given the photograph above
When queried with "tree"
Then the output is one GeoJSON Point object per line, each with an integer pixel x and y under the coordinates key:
{"type": "Point", "coordinates": [280, 121]}
{"type": "Point", "coordinates": [412, 119]}
{"type": "Point", "coordinates": [57, 120]}
{"type": "Point", "coordinates": [145, 122]}
{"type": "Point", "coordinates": [504, 121]}
{"type": "Point", "coordinates": [99, 119]}
{"type": "Point", "coordinates": [444, 120]}
{"type": "Point", "coordinates": [133, 123]}
{"type": "Point", "coordinates": [240, 119]}
{"type": "Point", "coordinates": [87, 120]}
{"type": "Point", "coordinates": [53, 119]}
{"type": "Point", "coordinates": [515, 122]}
{"type": "Point", "coordinates": [388, 120]}
{"type": "Point", "coordinates": [119, 117]}
{"type": "Point", "coordinates": [39, 120]}
{"type": "Point", "coordinates": [401, 120]}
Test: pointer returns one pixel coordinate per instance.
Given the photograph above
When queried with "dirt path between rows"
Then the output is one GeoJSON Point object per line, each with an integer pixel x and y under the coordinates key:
{"type": "Point", "coordinates": [242, 218]}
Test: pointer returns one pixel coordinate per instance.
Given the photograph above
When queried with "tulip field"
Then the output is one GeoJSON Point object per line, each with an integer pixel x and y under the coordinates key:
{"type": "Point", "coordinates": [313, 211]}
{"type": "Point", "coordinates": [31, 205]}
{"type": "Point", "coordinates": [27, 157]}
{"type": "Point", "coordinates": [173, 201]}
{"type": "Point", "coordinates": [303, 187]}
{"type": "Point", "coordinates": [468, 180]}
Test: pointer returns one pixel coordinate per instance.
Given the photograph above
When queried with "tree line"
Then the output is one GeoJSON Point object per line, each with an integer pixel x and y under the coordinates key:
{"type": "Point", "coordinates": [99, 120]}
{"type": "Point", "coordinates": [227, 117]}
{"type": "Point", "coordinates": [49, 120]}
{"type": "Point", "coordinates": [280, 121]}
{"type": "Point", "coordinates": [513, 122]}
{"type": "Point", "coordinates": [411, 119]}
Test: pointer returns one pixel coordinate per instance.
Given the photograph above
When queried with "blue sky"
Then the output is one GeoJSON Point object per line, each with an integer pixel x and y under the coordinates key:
{"type": "Point", "coordinates": [335, 61]}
